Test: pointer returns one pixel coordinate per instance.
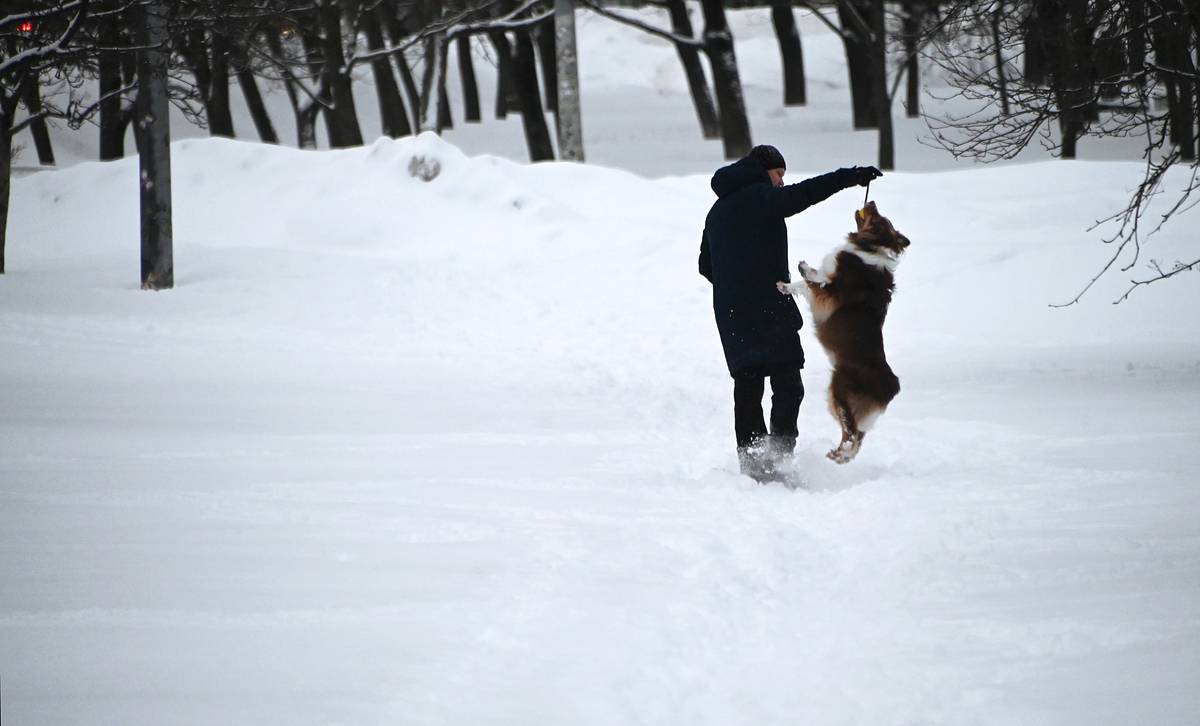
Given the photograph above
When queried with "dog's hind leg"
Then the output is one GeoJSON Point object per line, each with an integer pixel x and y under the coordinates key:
{"type": "Point", "coordinates": [840, 405]}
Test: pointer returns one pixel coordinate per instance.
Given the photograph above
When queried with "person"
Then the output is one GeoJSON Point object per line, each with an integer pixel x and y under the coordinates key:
{"type": "Point", "coordinates": [743, 253]}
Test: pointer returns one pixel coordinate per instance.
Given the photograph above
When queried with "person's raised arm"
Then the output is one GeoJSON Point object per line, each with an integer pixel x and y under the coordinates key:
{"type": "Point", "coordinates": [794, 198]}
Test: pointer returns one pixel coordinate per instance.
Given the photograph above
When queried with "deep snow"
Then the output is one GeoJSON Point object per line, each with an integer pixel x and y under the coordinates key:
{"type": "Point", "coordinates": [457, 452]}
{"type": "Point", "coordinates": [460, 452]}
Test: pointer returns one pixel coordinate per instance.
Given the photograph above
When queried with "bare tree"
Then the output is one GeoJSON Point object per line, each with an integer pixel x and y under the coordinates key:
{"type": "Point", "coordinates": [795, 92]}
{"type": "Point", "coordinates": [717, 44]}
{"type": "Point", "coordinates": [863, 31]}
{"type": "Point", "coordinates": [154, 149]}
{"type": "Point", "coordinates": [35, 39]}
{"type": "Point", "coordinates": [1090, 68]}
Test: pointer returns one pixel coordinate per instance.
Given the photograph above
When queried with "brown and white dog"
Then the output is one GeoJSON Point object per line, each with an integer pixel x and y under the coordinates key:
{"type": "Point", "coordinates": [849, 298]}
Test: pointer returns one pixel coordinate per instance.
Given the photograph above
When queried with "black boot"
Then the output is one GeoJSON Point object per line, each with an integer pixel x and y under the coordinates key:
{"type": "Point", "coordinates": [780, 449]}
{"type": "Point", "coordinates": [757, 462]}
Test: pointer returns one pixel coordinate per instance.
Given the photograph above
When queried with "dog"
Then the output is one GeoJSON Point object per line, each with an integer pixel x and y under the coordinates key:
{"type": "Point", "coordinates": [849, 298]}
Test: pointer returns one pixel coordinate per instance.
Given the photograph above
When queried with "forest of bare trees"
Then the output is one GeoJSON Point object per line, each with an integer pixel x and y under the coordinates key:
{"type": "Point", "coordinates": [1040, 71]}
{"type": "Point", "coordinates": [1055, 72]}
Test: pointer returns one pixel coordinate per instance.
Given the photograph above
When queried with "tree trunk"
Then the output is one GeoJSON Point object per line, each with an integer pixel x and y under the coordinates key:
{"type": "Point", "coordinates": [1187, 120]}
{"type": "Point", "coordinates": [466, 74]}
{"type": "Point", "coordinates": [506, 86]}
{"type": "Point", "coordinates": [410, 87]}
{"type": "Point", "coordinates": [395, 30]}
{"type": "Point", "coordinates": [1035, 48]}
{"type": "Point", "coordinates": [112, 115]}
{"type": "Point", "coordinates": [306, 126]}
{"type": "Point", "coordinates": [6, 122]}
{"type": "Point", "coordinates": [537, 135]}
{"type": "Point", "coordinates": [882, 104]}
{"type": "Point", "coordinates": [341, 116]}
{"type": "Point", "coordinates": [431, 83]}
{"type": "Point", "coordinates": [570, 120]}
{"type": "Point", "coordinates": [393, 116]}
{"type": "Point", "coordinates": [258, 110]}
{"type": "Point", "coordinates": [794, 90]}
{"type": "Point", "coordinates": [153, 119]}
{"type": "Point", "coordinates": [1110, 63]}
{"type": "Point", "coordinates": [445, 119]}
{"type": "Point", "coordinates": [195, 53]}
{"type": "Point", "coordinates": [1135, 42]}
{"type": "Point", "coordinates": [718, 45]}
{"type": "Point", "coordinates": [220, 118]}
{"type": "Point", "coordinates": [689, 57]}
{"type": "Point", "coordinates": [31, 96]}
{"type": "Point", "coordinates": [911, 30]}
{"type": "Point", "coordinates": [1071, 129]}
{"type": "Point", "coordinates": [858, 63]}
{"type": "Point", "coordinates": [303, 109]}
{"type": "Point", "coordinates": [1174, 51]}
{"type": "Point", "coordinates": [547, 55]}
{"type": "Point", "coordinates": [1001, 76]}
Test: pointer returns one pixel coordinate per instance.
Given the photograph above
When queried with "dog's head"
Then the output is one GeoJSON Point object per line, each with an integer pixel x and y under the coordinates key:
{"type": "Point", "coordinates": [876, 233]}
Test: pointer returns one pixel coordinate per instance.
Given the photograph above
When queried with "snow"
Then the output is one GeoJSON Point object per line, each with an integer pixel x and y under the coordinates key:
{"type": "Point", "coordinates": [460, 451]}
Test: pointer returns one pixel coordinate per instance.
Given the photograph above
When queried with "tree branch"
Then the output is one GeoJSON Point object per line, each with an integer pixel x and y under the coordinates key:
{"type": "Point", "coordinates": [644, 26]}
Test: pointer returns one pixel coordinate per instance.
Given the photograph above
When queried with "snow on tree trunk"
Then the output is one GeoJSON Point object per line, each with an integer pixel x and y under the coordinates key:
{"type": "Point", "coordinates": [153, 123]}
{"type": "Point", "coordinates": [570, 119]}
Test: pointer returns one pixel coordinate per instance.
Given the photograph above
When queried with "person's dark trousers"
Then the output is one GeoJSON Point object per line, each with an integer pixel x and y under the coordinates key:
{"type": "Point", "coordinates": [787, 391]}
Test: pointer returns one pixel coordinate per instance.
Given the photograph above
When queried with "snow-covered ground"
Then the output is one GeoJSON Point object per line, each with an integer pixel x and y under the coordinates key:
{"type": "Point", "coordinates": [460, 452]}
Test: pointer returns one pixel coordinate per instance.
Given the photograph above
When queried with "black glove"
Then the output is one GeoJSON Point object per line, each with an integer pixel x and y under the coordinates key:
{"type": "Point", "coordinates": [864, 174]}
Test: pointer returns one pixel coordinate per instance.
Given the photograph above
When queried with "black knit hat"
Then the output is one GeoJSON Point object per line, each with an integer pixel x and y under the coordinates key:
{"type": "Point", "coordinates": [768, 156]}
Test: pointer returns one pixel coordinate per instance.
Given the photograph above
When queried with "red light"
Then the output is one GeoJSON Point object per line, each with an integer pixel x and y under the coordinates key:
{"type": "Point", "coordinates": [25, 27]}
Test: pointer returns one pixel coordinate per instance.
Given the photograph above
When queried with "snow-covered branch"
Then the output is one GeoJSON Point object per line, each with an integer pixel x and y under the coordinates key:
{"type": "Point", "coordinates": [57, 48]}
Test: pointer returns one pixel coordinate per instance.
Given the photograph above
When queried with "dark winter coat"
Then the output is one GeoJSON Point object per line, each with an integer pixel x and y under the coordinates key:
{"type": "Point", "coordinates": [744, 252]}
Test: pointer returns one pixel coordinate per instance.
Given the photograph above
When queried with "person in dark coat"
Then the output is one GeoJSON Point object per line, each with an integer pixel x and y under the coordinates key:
{"type": "Point", "coordinates": [743, 253]}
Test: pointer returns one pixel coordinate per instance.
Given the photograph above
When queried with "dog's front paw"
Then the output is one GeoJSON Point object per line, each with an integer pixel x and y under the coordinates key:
{"type": "Point", "coordinates": [807, 272]}
{"type": "Point", "coordinates": [784, 288]}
